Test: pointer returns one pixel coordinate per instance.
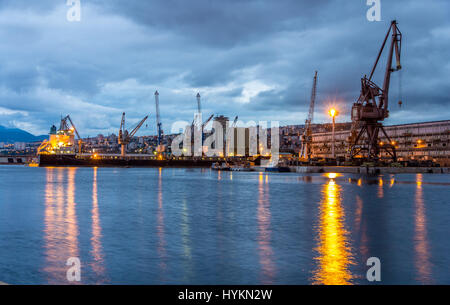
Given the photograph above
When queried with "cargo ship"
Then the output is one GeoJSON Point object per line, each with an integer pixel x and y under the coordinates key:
{"type": "Point", "coordinates": [62, 149]}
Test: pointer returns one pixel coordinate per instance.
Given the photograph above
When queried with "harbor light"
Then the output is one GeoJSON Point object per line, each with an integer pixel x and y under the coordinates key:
{"type": "Point", "coordinates": [333, 113]}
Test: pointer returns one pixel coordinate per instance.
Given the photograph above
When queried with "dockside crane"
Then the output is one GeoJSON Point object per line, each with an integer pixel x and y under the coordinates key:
{"type": "Point", "coordinates": [61, 138]}
{"type": "Point", "coordinates": [207, 121]}
{"type": "Point", "coordinates": [124, 136]}
{"type": "Point", "coordinates": [371, 108]}
{"type": "Point", "coordinates": [234, 122]}
{"type": "Point", "coordinates": [160, 147]}
{"type": "Point", "coordinates": [65, 126]}
{"type": "Point", "coordinates": [305, 150]}
{"type": "Point", "coordinates": [199, 106]}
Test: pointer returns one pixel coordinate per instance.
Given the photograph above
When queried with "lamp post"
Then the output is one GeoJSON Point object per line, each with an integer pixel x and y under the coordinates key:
{"type": "Point", "coordinates": [333, 113]}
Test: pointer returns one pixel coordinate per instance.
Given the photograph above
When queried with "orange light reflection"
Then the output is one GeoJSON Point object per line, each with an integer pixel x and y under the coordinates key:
{"type": "Point", "coordinates": [334, 256]}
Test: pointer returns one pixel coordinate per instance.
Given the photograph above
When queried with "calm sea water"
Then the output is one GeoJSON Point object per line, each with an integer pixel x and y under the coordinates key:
{"type": "Point", "coordinates": [197, 226]}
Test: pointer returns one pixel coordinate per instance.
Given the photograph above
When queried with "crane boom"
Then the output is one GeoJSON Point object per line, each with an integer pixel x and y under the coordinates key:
{"type": "Point", "coordinates": [133, 132]}
{"type": "Point", "coordinates": [312, 101]}
{"type": "Point", "coordinates": [305, 150]}
{"type": "Point", "coordinates": [158, 119]}
{"type": "Point", "coordinates": [207, 121]}
{"type": "Point", "coordinates": [122, 122]}
{"type": "Point", "coordinates": [65, 126]}
{"type": "Point", "coordinates": [235, 121]}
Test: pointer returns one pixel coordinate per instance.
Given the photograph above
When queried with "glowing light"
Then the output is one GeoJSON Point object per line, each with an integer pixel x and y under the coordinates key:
{"type": "Point", "coordinates": [421, 244]}
{"type": "Point", "coordinates": [332, 175]}
{"type": "Point", "coordinates": [268, 268]}
{"type": "Point", "coordinates": [333, 112]}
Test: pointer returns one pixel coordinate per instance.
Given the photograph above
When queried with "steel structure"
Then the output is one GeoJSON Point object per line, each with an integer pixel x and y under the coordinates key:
{"type": "Point", "coordinates": [63, 137]}
{"type": "Point", "coordinates": [371, 108]}
{"type": "Point", "coordinates": [65, 126]}
{"type": "Point", "coordinates": [305, 150]}
{"type": "Point", "coordinates": [124, 136]}
{"type": "Point", "coordinates": [199, 107]}
{"type": "Point", "coordinates": [158, 120]}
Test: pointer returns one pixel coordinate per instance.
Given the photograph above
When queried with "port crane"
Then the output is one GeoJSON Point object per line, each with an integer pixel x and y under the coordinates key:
{"type": "Point", "coordinates": [159, 130]}
{"type": "Point", "coordinates": [64, 125]}
{"type": "Point", "coordinates": [125, 136]}
{"type": "Point", "coordinates": [202, 126]}
{"type": "Point", "coordinates": [371, 108]}
{"type": "Point", "coordinates": [199, 107]}
{"type": "Point", "coordinates": [305, 150]}
{"type": "Point", "coordinates": [66, 129]}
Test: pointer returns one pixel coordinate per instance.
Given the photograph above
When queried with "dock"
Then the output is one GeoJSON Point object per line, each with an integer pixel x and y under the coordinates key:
{"type": "Point", "coordinates": [370, 170]}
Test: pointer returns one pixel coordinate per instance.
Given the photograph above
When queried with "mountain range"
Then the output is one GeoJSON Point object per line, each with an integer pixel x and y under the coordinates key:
{"type": "Point", "coordinates": [11, 135]}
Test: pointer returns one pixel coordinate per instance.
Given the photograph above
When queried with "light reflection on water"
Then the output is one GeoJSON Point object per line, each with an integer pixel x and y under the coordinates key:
{"type": "Point", "coordinates": [264, 236]}
{"type": "Point", "coordinates": [205, 227]}
{"type": "Point", "coordinates": [160, 229]}
{"type": "Point", "coordinates": [334, 253]}
{"type": "Point", "coordinates": [97, 251]}
{"type": "Point", "coordinates": [421, 247]}
{"type": "Point", "coordinates": [61, 227]}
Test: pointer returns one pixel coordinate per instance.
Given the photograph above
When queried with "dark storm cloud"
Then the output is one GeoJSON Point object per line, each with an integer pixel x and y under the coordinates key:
{"type": "Point", "coordinates": [221, 24]}
{"type": "Point", "coordinates": [255, 59]}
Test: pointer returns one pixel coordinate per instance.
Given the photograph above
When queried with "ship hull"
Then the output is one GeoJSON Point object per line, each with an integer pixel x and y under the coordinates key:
{"type": "Point", "coordinates": [117, 161]}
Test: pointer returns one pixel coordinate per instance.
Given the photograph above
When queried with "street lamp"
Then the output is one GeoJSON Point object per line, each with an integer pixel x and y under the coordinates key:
{"type": "Point", "coordinates": [333, 113]}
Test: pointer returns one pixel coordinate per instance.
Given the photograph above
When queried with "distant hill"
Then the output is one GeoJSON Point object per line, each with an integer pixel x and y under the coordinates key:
{"type": "Point", "coordinates": [11, 135]}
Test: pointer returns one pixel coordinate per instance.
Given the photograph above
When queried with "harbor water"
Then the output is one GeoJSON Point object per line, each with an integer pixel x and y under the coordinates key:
{"type": "Point", "coordinates": [197, 226]}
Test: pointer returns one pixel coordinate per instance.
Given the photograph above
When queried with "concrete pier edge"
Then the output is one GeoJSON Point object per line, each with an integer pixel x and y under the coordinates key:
{"type": "Point", "coordinates": [370, 170]}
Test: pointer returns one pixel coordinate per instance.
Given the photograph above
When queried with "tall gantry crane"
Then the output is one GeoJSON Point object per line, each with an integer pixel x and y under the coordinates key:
{"type": "Point", "coordinates": [158, 122]}
{"type": "Point", "coordinates": [200, 125]}
{"type": "Point", "coordinates": [124, 136]}
{"type": "Point", "coordinates": [371, 108]}
{"type": "Point", "coordinates": [199, 106]}
{"type": "Point", "coordinates": [305, 150]}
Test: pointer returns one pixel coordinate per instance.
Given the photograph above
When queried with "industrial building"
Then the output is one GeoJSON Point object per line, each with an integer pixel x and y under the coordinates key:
{"type": "Point", "coordinates": [417, 141]}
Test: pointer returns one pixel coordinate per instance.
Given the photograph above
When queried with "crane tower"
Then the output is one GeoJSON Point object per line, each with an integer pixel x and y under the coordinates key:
{"type": "Point", "coordinates": [305, 150]}
{"type": "Point", "coordinates": [125, 136]}
{"type": "Point", "coordinates": [158, 121]}
{"type": "Point", "coordinates": [371, 108]}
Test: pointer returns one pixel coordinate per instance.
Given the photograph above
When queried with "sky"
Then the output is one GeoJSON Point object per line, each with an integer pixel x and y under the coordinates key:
{"type": "Point", "coordinates": [255, 59]}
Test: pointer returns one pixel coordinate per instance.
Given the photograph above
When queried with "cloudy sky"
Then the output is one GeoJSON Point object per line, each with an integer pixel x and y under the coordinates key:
{"type": "Point", "coordinates": [254, 58]}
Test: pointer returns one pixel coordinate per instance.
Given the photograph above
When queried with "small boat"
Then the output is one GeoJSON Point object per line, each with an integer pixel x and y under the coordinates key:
{"type": "Point", "coordinates": [220, 167]}
{"type": "Point", "coordinates": [34, 162]}
{"type": "Point", "coordinates": [276, 167]}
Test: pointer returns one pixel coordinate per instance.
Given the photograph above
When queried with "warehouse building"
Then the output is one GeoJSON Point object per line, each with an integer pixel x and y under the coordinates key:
{"type": "Point", "coordinates": [417, 141]}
